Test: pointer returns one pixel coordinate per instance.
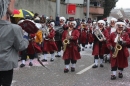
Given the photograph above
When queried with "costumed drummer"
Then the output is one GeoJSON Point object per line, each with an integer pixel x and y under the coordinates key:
{"type": "Point", "coordinates": [120, 39]}
{"type": "Point", "coordinates": [33, 47]}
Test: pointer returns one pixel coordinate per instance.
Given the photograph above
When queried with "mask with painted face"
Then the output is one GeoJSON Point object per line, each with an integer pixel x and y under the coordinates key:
{"type": "Point", "coordinates": [100, 25]}
{"type": "Point", "coordinates": [120, 28]}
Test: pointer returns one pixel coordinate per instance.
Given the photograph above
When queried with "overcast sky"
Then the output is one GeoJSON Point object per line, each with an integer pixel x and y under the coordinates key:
{"type": "Point", "coordinates": [123, 4]}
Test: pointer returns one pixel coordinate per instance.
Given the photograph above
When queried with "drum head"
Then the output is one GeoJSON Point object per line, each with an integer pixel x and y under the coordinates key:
{"type": "Point", "coordinates": [29, 27]}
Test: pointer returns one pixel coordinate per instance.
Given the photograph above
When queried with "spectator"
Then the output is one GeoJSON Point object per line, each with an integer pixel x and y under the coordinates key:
{"type": "Point", "coordinates": [12, 42]}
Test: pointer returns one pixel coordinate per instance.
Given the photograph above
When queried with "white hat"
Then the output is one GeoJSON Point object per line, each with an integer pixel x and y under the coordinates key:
{"type": "Point", "coordinates": [38, 25]}
{"type": "Point", "coordinates": [52, 24]}
{"type": "Point", "coordinates": [47, 17]}
{"type": "Point", "coordinates": [74, 22]}
{"type": "Point", "coordinates": [63, 18]}
{"type": "Point", "coordinates": [102, 21]}
{"type": "Point", "coordinates": [120, 23]}
{"type": "Point", "coordinates": [94, 22]}
{"type": "Point", "coordinates": [83, 22]}
{"type": "Point", "coordinates": [37, 18]}
{"type": "Point", "coordinates": [113, 19]}
{"type": "Point", "coordinates": [20, 21]}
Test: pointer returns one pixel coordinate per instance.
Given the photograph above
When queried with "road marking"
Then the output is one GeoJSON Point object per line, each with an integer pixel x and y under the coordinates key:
{"type": "Point", "coordinates": [13, 81]}
{"type": "Point", "coordinates": [84, 54]}
{"type": "Point", "coordinates": [84, 70]}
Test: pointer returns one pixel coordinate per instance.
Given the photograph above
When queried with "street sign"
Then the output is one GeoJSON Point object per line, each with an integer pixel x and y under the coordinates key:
{"type": "Point", "coordinates": [71, 9]}
{"type": "Point", "coordinates": [74, 1]}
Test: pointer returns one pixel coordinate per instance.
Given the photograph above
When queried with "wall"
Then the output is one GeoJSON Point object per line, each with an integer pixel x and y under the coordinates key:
{"type": "Point", "coordinates": [45, 7]}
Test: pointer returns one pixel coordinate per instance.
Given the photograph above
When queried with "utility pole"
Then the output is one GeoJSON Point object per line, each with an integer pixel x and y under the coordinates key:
{"type": "Point", "coordinates": [67, 16]}
{"type": "Point", "coordinates": [57, 8]}
{"type": "Point", "coordinates": [87, 11]}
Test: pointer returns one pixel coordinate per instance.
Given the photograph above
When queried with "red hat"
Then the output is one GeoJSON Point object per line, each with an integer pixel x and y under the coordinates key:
{"type": "Point", "coordinates": [89, 20]}
{"type": "Point", "coordinates": [71, 18]}
{"type": "Point", "coordinates": [127, 20]}
{"type": "Point", "coordinates": [120, 20]}
{"type": "Point", "coordinates": [105, 19]}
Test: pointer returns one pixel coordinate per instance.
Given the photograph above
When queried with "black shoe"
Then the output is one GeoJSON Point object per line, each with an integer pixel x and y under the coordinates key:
{"type": "Point", "coordinates": [109, 61]}
{"type": "Point", "coordinates": [113, 77]}
{"type": "Point", "coordinates": [30, 64]}
{"type": "Point", "coordinates": [72, 69]}
{"type": "Point", "coordinates": [66, 70]}
{"type": "Point", "coordinates": [51, 60]}
{"type": "Point", "coordinates": [101, 65]}
{"type": "Point", "coordinates": [22, 65]}
{"type": "Point", "coordinates": [19, 60]}
{"type": "Point", "coordinates": [44, 60]}
{"type": "Point", "coordinates": [57, 55]}
{"type": "Point", "coordinates": [120, 75]}
{"type": "Point", "coordinates": [105, 60]}
{"type": "Point", "coordinates": [94, 66]}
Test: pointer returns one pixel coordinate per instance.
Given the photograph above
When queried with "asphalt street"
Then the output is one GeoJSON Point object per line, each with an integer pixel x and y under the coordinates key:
{"type": "Point", "coordinates": [54, 76]}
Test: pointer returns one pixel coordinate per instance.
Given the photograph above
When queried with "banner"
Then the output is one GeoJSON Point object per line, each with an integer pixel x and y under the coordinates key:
{"type": "Point", "coordinates": [71, 9]}
{"type": "Point", "coordinates": [74, 1]}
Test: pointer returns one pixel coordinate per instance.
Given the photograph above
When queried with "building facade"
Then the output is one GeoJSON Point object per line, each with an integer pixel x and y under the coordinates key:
{"type": "Point", "coordinates": [48, 8]}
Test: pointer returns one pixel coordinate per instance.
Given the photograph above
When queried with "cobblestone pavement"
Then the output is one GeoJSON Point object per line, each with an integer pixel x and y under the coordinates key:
{"type": "Point", "coordinates": [40, 76]}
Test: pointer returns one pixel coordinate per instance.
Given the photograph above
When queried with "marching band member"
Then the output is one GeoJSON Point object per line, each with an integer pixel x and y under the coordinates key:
{"type": "Point", "coordinates": [78, 23]}
{"type": "Point", "coordinates": [49, 45]}
{"type": "Point", "coordinates": [83, 35]}
{"type": "Point", "coordinates": [33, 48]}
{"type": "Point", "coordinates": [127, 27]}
{"type": "Point", "coordinates": [71, 53]}
{"type": "Point", "coordinates": [94, 25]}
{"type": "Point", "coordinates": [99, 44]}
{"type": "Point", "coordinates": [24, 52]}
{"type": "Point", "coordinates": [127, 23]}
{"type": "Point", "coordinates": [110, 29]}
{"type": "Point", "coordinates": [63, 23]}
{"type": "Point", "coordinates": [58, 35]}
{"type": "Point", "coordinates": [117, 42]}
{"type": "Point", "coordinates": [106, 23]}
{"type": "Point", "coordinates": [81, 22]}
{"type": "Point", "coordinates": [39, 37]}
{"type": "Point", "coordinates": [89, 33]}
